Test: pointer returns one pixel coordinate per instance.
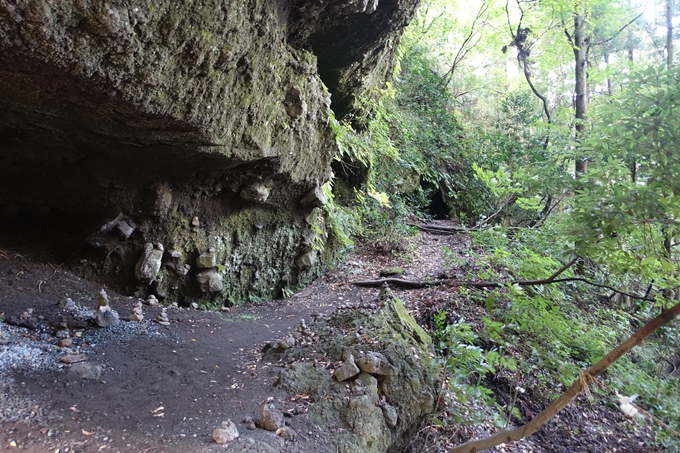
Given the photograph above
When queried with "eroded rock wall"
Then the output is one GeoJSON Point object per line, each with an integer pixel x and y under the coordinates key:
{"type": "Point", "coordinates": [200, 124]}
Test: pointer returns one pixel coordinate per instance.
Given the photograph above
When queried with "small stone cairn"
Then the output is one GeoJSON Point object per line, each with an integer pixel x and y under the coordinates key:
{"type": "Point", "coordinates": [137, 314]}
{"type": "Point", "coordinates": [152, 301]}
{"type": "Point", "coordinates": [162, 317]}
{"type": "Point", "coordinates": [105, 316]}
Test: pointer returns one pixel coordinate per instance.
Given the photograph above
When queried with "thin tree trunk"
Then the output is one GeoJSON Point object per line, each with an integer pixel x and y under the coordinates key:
{"type": "Point", "coordinates": [610, 90]}
{"type": "Point", "coordinates": [669, 34]}
{"type": "Point", "coordinates": [580, 72]}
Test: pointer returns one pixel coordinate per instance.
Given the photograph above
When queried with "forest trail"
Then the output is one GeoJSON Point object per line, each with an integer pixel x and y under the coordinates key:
{"type": "Point", "coordinates": [165, 388]}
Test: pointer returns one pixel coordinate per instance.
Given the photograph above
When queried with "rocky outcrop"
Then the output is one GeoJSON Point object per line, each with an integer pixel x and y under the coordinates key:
{"type": "Point", "coordinates": [354, 42]}
{"type": "Point", "coordinates": [382, 400]}
{"type": "Point", "coordinates": [199, 123]}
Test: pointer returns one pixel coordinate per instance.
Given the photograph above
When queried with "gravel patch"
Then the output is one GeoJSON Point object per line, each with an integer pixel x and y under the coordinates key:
{"type": "Point", "coordinates": [34, 352]}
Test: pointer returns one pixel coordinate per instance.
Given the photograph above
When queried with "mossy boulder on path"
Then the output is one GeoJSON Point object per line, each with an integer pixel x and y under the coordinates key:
{"type": "Point", "coordinates": [365, 406]}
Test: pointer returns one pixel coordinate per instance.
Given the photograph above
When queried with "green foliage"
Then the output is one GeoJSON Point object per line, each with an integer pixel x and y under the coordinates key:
{"type": "Point", "coordinates": [484, 141]}
{"type": "Point", "coordinates": [560, 336]}
{"type": "Point", "coordinates": [465, 363]}
{"type": "Point", "coordinates": [429, 136]}
{"type": "Point", "coordinates": [630, 202]}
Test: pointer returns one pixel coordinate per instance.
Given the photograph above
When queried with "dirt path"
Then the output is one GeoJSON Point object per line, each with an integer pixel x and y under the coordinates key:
{"type": "Point", "coordinates": [202, 369]}
{"type": "Point", "coordinates": [165, 388]}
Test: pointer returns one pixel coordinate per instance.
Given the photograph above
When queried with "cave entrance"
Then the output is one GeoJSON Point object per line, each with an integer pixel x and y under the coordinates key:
{"type": "Point", "coordinates": [438, 208]}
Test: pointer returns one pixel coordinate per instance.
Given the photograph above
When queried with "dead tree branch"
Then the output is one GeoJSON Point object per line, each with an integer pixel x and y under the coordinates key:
{"type": "Point", "coordinates": [414, 284]}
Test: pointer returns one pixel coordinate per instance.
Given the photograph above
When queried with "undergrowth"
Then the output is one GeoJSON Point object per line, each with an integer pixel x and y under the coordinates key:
{"type": "Point", "coordinates": [539, 337]}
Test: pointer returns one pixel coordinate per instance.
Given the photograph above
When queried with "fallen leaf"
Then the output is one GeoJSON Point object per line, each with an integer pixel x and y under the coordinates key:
{"type": "Point", "coordinates": [158, 409]}
{"type": "Point", "coordinates": [88, 433]}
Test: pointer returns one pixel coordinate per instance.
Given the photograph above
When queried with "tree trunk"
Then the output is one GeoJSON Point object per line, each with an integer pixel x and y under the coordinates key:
{"type": "Point", "coordinates": [581, 73]}
{"type": "Point", "coordinates": [669, 34]}
{"type": "Point", "coordinates": [610, 91]}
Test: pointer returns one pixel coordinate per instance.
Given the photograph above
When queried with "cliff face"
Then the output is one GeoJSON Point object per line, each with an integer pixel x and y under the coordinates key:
{"type": "Point", "coordinates": [199, 125]}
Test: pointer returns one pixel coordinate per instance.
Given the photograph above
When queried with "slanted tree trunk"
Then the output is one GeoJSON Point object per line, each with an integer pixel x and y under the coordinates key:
{"type": "Point", "coordinates": [567, 397]}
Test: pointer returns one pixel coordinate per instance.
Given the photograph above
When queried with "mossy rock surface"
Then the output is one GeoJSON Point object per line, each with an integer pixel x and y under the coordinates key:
{"type": "Point", "coordinates": [391, 331]}
{"type": "Point", "coordinates": [166, 112]}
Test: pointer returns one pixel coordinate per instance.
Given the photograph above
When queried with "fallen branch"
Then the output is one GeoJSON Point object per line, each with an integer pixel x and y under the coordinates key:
{"type": "Point", "coordinates": [415, 284]}
{"type": "Point", "coordinates": [567, 397]}
{"type": "Point", "coordinates": [439, 229]}
{"type": "Point", "coordinates": [438, 232]}
{"type": "Point", "coordinates": [401, 283]}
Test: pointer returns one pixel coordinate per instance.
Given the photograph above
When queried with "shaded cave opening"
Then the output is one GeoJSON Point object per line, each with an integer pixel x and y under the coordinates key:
{"type": "Point", "coordinates": [437, 208]}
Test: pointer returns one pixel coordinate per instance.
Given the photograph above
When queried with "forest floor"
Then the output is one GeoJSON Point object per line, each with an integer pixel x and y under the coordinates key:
{"type": "Point", "coordinates": [165, 388]}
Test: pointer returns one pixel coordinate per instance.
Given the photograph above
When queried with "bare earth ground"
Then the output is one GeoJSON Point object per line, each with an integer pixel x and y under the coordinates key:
{"type": "Point", "coordinates": [164, 388]}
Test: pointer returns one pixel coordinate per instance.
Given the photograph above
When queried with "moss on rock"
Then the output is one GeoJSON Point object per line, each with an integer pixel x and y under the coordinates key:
{"type": "Point", "coordinates": [391, 331]}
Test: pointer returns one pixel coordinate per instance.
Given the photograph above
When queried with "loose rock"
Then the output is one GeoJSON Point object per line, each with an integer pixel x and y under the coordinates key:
{"type": "Point", "coordinates": [376, 363]}
{"type": "Point", "coordinates": [210, 281]}
{"type": "Point", "coordinates": [286, 343]}
{"type": "Point", "coordinates": [107, 318]}
{"type": "Point", "coordinates": [271, 418]}
{"type": "Point", "coordinates": [226, 433]}
{"type": "Point", "coordinates": [67, 304]}
{"type": "Point", "coordinates": [162, 317]}
{"type": "Point", "coordinates": [176, 254]}
{"type": "Point", "coordinates": [149, 263]}
{"type": "Point", "coordinates": [206, 260]}
{"type": "Point", "coordinates": [255, 193]}
{"type": "Point", "coordinates": [390, 414]}
{"type": "Point", "coordinates": [85, 371]}
{"type": "Point", "coordinates": [180, 269]}
{"type": "Point", "coordinates": [306, 260]}
{"type": "Point", "coordinates": [348, 370]}
{"type": "Point", "coordinates": [61, 331]}
{"type": "Point", "coordinates": [74, 358]}
{"type": "Point", "coordinates": [137, 314]}
{"type": "Point", "coordinates": [103, 301]}
{"type": "Point", "coordinates": [314, 198]}
{"type": "Point", "coordinates": [371, 384]}
{"type": "Point", "coordinates": [287, 433]}
{"type": "Point", "coordinates": [151, 301]}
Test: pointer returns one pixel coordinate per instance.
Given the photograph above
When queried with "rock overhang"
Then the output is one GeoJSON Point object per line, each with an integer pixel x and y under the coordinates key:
{"type": "Point", "coordinates": [115, 107]}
